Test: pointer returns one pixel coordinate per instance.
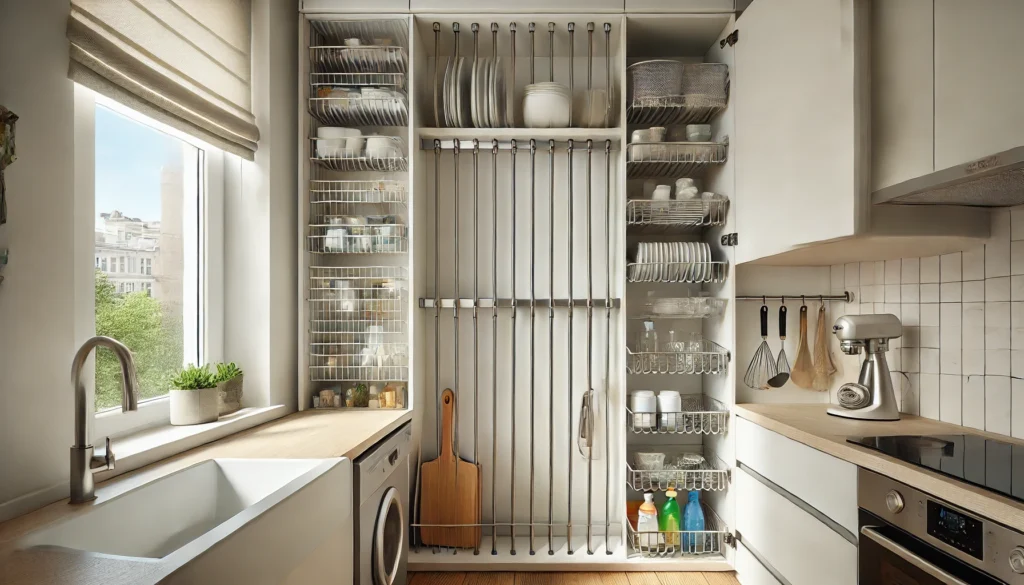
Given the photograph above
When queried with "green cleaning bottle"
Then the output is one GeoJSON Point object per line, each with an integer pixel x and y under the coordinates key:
{"type": "Point", "coordinates": [670, 518]}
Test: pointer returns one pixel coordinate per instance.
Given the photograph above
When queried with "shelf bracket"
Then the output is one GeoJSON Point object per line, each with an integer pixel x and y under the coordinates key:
{"type": "Point", "coordinates": [732, 239]}
{"type": "Point", "coordinates": [730, 40]}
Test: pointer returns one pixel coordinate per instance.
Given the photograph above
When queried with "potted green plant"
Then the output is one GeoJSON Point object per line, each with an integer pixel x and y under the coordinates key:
{"type": "Point", "coordinates": [194, 397]}
{"type": "Point", "coordinates": [229, 388]}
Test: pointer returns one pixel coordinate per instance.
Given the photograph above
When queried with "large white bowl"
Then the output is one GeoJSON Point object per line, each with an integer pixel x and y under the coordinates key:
{"type": "Point", "coordinates": [546, 105]}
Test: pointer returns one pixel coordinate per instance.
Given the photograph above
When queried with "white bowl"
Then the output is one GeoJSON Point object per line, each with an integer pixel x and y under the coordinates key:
{"type": "Point", "coordinates": [336, 132]}
{"type": "Point", "coordinates": [546, 106]}
{"type": "Point", "coordinates": [381, 147]}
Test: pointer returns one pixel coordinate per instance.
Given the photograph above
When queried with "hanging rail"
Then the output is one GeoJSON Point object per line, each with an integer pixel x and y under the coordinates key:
{"type": "Point", "coordinates": [847, 297]}
{"type": "Point", "coordinates": [467, 143]}
{"type": "Point", "coordinates": [487, 303]}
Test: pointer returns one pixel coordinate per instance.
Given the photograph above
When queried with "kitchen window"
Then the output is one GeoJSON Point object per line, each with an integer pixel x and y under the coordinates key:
{"type": "Point", "coordinates": [154, 190]}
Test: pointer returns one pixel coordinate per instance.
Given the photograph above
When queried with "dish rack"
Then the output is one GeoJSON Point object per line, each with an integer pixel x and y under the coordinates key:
{"type": "Point", "coordinates": [391, 160]}
{"type": "Point", "coordinates": [670, 543]}
{"type": "Point", "coordinates": [357, 217]}
{"type": "Point", "coordinates": [700, 415]}
{"type": "Point", "coordinates": [711, 475]}
{"type": "Point", "coordinates": [673, 159]}
{"type": "Point", "coordinates": [686, 272]}
{"type": "Point", "coordinates": [701, 94]}
{"type": "Point", "coordinates": [706, 357]}
{"type": "Point", "coordinates": [682, 308]}
{"type": "Point", "coordinates": [648, 216]}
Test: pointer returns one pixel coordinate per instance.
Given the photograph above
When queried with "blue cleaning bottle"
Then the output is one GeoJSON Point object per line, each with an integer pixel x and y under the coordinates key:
{"type": "Point", "coordinates": [693, 521]}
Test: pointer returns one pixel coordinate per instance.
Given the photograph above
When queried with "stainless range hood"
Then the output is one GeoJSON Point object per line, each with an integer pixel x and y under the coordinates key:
{"type": "Point", "coordinates": [993, 181]}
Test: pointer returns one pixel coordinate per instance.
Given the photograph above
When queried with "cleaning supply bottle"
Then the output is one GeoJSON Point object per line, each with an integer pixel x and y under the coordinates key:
{"type": "Point", "coordinates": [670, 520]}
{"type": "Point", "coordinates": [693, 521]}
{"type": "Point", "coordinates": [647, 523]}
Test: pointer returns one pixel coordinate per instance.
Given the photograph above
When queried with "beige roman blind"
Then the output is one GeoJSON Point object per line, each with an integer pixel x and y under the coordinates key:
{"type": "Point", "coordinates": [186, 63]}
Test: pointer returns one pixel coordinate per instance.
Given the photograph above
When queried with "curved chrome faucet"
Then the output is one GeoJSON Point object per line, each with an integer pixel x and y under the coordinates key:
{"type": "Point", "coordinates": [84, 462]}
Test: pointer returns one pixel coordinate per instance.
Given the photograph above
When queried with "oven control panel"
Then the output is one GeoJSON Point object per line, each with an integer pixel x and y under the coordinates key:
{"type": "Point", "coordinates": [977, 541]}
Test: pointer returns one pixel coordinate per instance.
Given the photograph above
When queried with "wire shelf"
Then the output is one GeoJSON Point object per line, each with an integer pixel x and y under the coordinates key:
{"type": "Point", "coordinates": [378, 237]}
{"type": "Point", "coordinates": [350, 193]}
{"type": "Point", "coordinates": [378, 32]}
{"type": "Point", "coordinates": [705, 357]}
{"type": "Point", "coordinates": [710, 475]}
{"type": "Point", "coordinates": [359, 59]}
{"type": "Point", "coordinates": [325, 369]}
{"type": "Point", "coordinates": [681, 543]}
{"type": "Point", "coordinates": [339, 107]}
{"type": "Point", "coordinates": [686, 272]}
{"type": "Point", "coordinates": [673, 159]}
{"type": "Point", "coordinates": [681, 308]}
{"type": "Point", "coordinates": [371, 79]}
{"type": "Point", "coordinates": [665, 92]}
{"type": "Point", "coordinates": [674, 110]}
{"type": "Point", "coordinates": [363, 163]}
{"type": "Point", "coordinates": [651, 216]}
{"type": "Point", "coordinates": [700, 415]}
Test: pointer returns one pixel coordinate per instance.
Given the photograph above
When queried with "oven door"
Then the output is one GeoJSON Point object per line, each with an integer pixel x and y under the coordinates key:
{"type": "Point", "coordinates": [889, 556]}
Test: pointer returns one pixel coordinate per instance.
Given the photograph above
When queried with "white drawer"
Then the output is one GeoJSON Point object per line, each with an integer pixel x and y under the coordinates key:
{"type": "Point", "coordinates": [796, 544]}
{"type": "Point", "coordinates": [750, 571]}
{"type": "Point", "coordinates": [826, 483]}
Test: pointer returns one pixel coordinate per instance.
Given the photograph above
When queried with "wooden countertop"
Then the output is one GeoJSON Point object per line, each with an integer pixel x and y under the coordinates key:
{"type": "Point", "coordinates": [311, 434]}
{"type": "Point", "coordinates": [810, 425]}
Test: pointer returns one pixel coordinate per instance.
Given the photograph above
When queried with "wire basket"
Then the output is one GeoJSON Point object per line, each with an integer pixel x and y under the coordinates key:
{"type": "Point", "coordinates": [682, 308]}
{"type": "Point", "coordinates": [339, 154]}
{"type": "Point", "coordinates": [343, 197]}
{"type": "Point", "coordinates": [371, 235]}
{"type": "Point", "coordinates": [673, 159]}
{"type": "Point", "coordinates": [681, 543]}
{"type": "Point", "coordinates": [665, 217]}
{"type": "Point", "coordinates": [711, 474]}
{"type": "Point", "coordinates": [377, 32]}
{"type": "Point", "coordinates": [700, 415]}
{"type": "Point", "coordinates": [341, 107]}
{"type": "Point", "coordinates": [701, 94]}
{"type": "Point", "coordinates": [688, 272]}
{"type": "Point", "coordinates": [702, 356]}
{"type": "Point", "coordinates": [359, 59]}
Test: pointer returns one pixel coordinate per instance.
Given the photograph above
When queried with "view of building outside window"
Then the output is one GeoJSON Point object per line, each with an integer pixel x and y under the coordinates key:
{"type": "Point", "coordinates": [140, 195]}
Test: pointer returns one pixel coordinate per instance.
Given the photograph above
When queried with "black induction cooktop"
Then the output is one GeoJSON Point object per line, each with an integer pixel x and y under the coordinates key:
{"type": "Point", "coordinates": [987, 463]}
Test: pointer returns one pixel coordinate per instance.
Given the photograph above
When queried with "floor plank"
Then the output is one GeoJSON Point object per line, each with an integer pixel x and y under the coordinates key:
{"type": "Point", "coordinates": [437, 578]}
{"type": "Point", "coordinates": [580, 578]}
{"type": "Point", "coordinates": [682, 579]}
{"type": "Point", "coordinates": [535, 578]}
{"type": "Point", "coordinates": [720, 578]}
{"type": "Point", "coordinates": [609, 578]}
{"type": "Point", "coordinates": [489, 578]}
{"type": "Point", "coordinates": [643, 579]}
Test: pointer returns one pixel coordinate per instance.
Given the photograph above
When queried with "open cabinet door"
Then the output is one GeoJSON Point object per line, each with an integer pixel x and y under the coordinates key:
{"type": "Point", "coordinates": [801, 95]}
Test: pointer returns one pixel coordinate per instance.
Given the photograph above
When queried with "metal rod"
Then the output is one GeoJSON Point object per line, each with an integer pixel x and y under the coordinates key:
{"type": "Point", "coordinates": [608, 342]}
{"type": "Point", "coordinates": [476, 295]}
{"type": "Point", "coordinates": [551, 340]}
{"type": "Point", "coordinates": [590, 56]}
{"type": "Point", "coordinates": [572, 308]}
{"type": "Point", "coordinates": [512, 355]}
{"type": "Point", "coordinates": [437, 62]}
{"type": "Point", "coordinates": [494, 345]}
{"type": "Point", "coordinates": [437, 295]}
{"type": "Point", "coordinates": [551, 53]}
{"type": "Point", "coordinates": [590, 341]}
{"type": "Point", "coordinates": [494, 41]}
{"type": "Point", "coordinates": [608, 75]}
{"type": "Point", "coordinates": [533, 273]}
{"type": "Point", "coordinates": [455, 314]}
{"type": "Point", "coordinates": [533, 52]}
{"type": "Point", "coordinates": [475, 27]}
{"type": "Point", "coordinates": [504, 303]}
{"type": "Point", "coordinates": [511, 111]}
{"type": "Point", "coordinates": [503, 144]}
{"type": "Point", "coordinates": [572, 71]}
{"type": "Point", "coordinates": [847, 296]}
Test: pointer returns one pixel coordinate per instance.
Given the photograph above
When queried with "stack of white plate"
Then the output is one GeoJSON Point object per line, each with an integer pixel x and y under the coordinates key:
{"type": "Point", "coordinates": [672, 262]}
{"type": "Point", "coordinates": [473, 93]}
{"type": "Point", "coordinates": [547, 105]}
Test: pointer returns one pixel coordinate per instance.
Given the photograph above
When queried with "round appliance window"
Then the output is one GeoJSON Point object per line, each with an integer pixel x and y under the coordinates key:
{"type": "Point", "coordinates": [388, 538]}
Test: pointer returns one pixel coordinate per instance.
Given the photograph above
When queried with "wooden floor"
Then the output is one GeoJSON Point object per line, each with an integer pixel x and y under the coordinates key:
{"type": "Point", "coordinates": [485, 578]}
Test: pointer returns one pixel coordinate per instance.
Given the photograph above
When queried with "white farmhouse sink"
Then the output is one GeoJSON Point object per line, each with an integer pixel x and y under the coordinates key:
{"type": "Point", "coordinates": [271, 512]}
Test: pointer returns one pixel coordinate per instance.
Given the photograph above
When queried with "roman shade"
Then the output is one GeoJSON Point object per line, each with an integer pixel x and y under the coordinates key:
{"type": "Point", "coordinates": [186, 63]}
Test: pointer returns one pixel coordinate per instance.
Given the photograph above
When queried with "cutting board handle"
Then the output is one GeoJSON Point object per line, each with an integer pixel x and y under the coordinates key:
{"type": "Point", "coordinates": [447, 450]}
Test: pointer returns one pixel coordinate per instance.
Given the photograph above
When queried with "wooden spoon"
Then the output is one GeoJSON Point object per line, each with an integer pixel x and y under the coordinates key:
{"type": "Point", "coordinates": [803, 370]}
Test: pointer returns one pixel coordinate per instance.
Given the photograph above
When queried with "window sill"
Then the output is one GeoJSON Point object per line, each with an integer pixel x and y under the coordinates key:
{"type": "Point", "coordinates": [157, 443]}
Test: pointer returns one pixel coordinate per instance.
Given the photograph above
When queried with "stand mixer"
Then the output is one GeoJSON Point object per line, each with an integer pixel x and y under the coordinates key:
{"type": "Point", "coordinates": [871, 397]}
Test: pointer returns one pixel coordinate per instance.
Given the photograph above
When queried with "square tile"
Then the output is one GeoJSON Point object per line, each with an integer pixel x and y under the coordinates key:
{"type": "Point", "coordinates": [950, 360]}
{"type": "Point", "coordinates": [973, 291]}
{"type": "Point", "coordinates": [1017, 257]}
{"type": "Point", "coordinates": [973, 362]}
{"type": "Point", "coordinates": [1017, 338]}
{"type": "Point", "coordinates": [930, 337]}
{"type": "Point", "coordinates": [880, 272]}
{"type": "Point", "coordinates": [911, 293]}
{"type": "Point", "coordinates": [996, 338]}
{"type": "Point", "coordinates": [911, 336]}
{"type": "Point", "coordinates": [951, 269]}
{"type": "Point", "coordinates": [1017, 288]}
{"type": "Point", "coordinates": [997, 404]}
{"type": "Point", "coordinates": [973, 405]}
{"type": "Point", "coordinates": [910, 271]}
{"type": "Point", "coordinates": [997, 362]}
{"type": "Point", "coordinates": [973, 337]}
{"type": "Point", "coordinates": [929, 269]}
{"type": "Point", "coordinates": [997, 289]}
{"type": "Point", "coordinates": [997, 314]}
{"type": "Point", "coordinates": [892, 309]}
{"type": "Point", "coordinates": [929, 293]}
{"type": "Point", "coordinates": [867, 293]}
{"type": "Point", "coordinates": [1017, 363]}
{"type": "Point", "coordinates": [893, 271]}
{"type": "Point", "coordinates": [1017, 314]}
{"type": "Point", "coordinates": [950, 399]}
{"type": "Point", "coordinates": [974, 263]}
{"type": "Point", "coordinates": [851, 275]}
{"type": "Point", "coordinates": [929, 314]}
{"type": "Point", "coordinates": [973, 315]}
{"type": "Point", "coordinates": [894, 357]}
{"type": "Point", "coordinates": [951, 292]}
{"type": "Point", "coordinates": [911, 359]}
{"type": "Point", "coordinates": [911, 403]}
{"type": "Point", "coordinates": [867, 273]}
{"type": "Point", "coordinates": [1017, 223]}
{"type": "Point", "coordinates": [997, 258]}
{"type": "Point", "coordinates": [929, 400]}
{"type": "Point", "coordinates": [838, 279]}
{"type": "Point", "coordinates": [950, 315]}
{"type": "Point", "coordinates": [892, 293]}
{"type": "Point", "coordinates": [910, 313]}
{"type": "Point", "coordinates": [1017, 408]}
{"type": "Point", "coordinates": [929, 360]}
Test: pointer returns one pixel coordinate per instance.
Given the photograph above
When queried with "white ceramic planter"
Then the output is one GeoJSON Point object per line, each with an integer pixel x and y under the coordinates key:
{"type": "Point", "coordinates": [193, 407]}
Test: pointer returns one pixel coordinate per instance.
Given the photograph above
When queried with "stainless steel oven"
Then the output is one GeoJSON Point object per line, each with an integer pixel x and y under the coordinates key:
{"type": "Point", "coordinates": [908, 537]}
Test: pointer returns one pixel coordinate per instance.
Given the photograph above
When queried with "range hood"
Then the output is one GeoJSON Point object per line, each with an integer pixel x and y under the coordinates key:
{"type": "Point", "coordinates": [993, 181]}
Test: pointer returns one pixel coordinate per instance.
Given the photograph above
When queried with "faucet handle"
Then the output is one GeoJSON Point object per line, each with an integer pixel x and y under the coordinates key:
{"type": "Point", "coordinates": [102, 457]}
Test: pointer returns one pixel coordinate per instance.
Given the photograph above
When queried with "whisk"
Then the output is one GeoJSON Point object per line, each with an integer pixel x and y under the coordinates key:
{"type": "Point", "coordinates": [782, 364]}
{"type": "Point", "coordinates": [762, 367]}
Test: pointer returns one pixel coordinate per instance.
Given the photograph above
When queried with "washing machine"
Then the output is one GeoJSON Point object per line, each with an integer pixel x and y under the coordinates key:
{"type": "Point", "coordinates": [382, 511]}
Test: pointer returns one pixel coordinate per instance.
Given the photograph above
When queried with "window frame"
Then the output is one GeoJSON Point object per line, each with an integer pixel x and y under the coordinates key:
{"type": "Point", "coordinates": [206, 243]}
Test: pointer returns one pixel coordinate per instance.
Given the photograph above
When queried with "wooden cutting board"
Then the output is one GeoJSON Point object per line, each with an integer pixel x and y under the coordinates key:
{"type": "Point", "coordinates": [449, 490]}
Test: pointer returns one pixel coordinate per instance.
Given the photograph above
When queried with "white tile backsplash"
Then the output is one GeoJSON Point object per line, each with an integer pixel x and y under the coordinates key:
{"type": "Point", "coordinates": [973, 402]}
{"type": "Point", "coordinates": [974, 264]}
{"type": "Point", "coordinates": [951, 398]}
{"type": "Point", "coordinates": [973, 291]}
{"type": "Point", "coordinates": [929, 269]}
{"type": "Point", "coordinates": [997, 289]}
{"type": "Point", "coordinates": [929, 293]}
{"type": "Point", "coordinates": [951, 292]}
{"type": "Point", "coordinates": [950, 268]}
{"type": "Point", "coordinates": [998, 410]}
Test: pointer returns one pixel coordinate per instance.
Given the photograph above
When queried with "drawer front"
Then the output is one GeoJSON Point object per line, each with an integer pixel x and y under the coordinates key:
{"type": "Point", "coordinates": [750, 571]}
{"type": "Point", "coordinates": [826, 483]}
{"type": "Point", "coordinates": [803, 550]}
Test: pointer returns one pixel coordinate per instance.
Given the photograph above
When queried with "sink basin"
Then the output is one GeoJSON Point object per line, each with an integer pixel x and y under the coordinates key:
{"type": "Point", "coordinates": [219, 506]}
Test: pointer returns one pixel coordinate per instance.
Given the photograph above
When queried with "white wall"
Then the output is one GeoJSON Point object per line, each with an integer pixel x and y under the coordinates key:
{"type": "Point", "coordinates": [37, 298]}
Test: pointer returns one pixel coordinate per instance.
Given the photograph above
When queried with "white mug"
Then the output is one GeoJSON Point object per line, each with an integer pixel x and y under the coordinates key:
{"type": "Point", "coordinates": [662, 193]}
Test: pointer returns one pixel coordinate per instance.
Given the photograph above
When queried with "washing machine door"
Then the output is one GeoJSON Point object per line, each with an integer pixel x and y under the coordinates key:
{"type": "Point", "coordinates": [388, 538]}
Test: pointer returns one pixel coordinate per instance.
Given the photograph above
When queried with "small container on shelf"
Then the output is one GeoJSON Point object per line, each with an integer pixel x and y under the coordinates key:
{"type": "Point", "coordinates": [679, 543]}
